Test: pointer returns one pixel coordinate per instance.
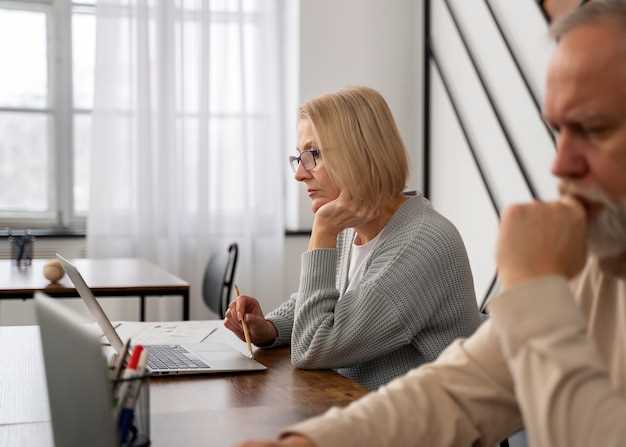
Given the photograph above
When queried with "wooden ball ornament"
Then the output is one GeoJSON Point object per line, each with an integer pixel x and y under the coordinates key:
{"type": "Point", "coordinates": [53, 270]}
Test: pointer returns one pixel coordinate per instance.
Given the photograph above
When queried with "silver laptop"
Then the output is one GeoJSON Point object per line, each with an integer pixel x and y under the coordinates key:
{"type": "Point", "coordinates": [79, 390]}
{"type": "Point", "coordinates": [167, 359]}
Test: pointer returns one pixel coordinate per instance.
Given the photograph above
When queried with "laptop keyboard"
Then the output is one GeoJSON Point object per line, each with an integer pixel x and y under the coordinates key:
{"type": "Point", "coordinates": [172, 357]}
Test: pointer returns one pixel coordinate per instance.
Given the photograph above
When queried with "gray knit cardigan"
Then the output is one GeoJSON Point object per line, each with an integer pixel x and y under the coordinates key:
{"type": "Point", "coordinates": [415, 298]}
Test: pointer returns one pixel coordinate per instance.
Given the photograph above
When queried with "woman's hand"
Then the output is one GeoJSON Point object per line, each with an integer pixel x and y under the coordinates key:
{"type": "Point", "coordinates": [335, 216]}
{"type": "Point", "coordinates": [262, 331]}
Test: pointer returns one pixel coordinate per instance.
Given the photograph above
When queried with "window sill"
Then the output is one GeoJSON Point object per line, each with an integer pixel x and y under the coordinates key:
{"type": "Point", "coordinates": [49, 233]}
{"type": "Point", "coordinates": [71, 233]}
{"type": "Point", "coordinates": [297, 233]}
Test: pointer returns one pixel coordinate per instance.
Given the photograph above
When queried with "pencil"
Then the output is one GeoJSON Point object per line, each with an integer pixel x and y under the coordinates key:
{"type": "Point", "coordinates": [119, 365]}
{"type": "Point", "coordinates": [246, 332]}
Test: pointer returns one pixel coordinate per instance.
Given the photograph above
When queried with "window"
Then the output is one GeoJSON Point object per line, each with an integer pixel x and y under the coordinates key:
{"type": "Point", "coordinates": [46, 99]}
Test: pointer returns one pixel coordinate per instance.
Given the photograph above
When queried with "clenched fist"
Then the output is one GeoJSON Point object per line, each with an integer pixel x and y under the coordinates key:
{"type": "Point", "coordinates": [540, 239]}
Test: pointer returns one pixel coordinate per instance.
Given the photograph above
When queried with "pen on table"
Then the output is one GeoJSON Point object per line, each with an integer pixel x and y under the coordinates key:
{"type": "Point", "coordinates": [207, 335]}
{"type": "Point", "coordinates": [246, 333]}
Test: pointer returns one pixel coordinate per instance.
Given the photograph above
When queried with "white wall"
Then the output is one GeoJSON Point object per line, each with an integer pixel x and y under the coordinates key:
{"type": "Point", "coordinates": [377, 43]}
{"type": "Point", "coordinates": [496, 106]}
{"type": "Point", "coordinates": [294, 247]}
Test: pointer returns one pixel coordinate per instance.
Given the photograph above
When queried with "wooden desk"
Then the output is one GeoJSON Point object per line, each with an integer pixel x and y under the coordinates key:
{"type": "Point", "coordinates": [209, 410]}
{"type": "Point", "coordinates": [105, 277]}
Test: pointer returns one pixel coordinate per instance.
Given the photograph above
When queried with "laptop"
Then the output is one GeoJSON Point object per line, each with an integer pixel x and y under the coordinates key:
{"type": "Point", "coordinates": [79, 390]}
{"type": "Point", "coordinates": [167, 359]}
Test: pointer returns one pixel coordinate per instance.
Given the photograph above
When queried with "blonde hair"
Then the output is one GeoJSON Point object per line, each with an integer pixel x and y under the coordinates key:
{"type": "Point", "coordinates": [360, 143]}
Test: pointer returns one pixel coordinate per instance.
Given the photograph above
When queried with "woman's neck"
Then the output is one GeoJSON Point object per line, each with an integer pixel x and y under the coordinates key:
{"type": "Point", "coordinates": [368, 231]}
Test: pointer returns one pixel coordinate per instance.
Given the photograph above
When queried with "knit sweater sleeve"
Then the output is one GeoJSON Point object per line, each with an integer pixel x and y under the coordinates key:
{"type": "Point", "coordinates": [282, 318]}
{"type": "Point", "coordinates": [405, 284]}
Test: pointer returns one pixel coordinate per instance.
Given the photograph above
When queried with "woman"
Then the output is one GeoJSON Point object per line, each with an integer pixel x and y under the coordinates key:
{"type": "Point", "coordinates": [385, 284]}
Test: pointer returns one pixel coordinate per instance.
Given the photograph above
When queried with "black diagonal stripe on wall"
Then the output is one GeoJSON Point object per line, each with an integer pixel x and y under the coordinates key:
{"type": "Point", "coordinates": [466, 137]}
{"type": "Point", "coordinates": [483, 302]}
{"type": "Point", "coordinates": [430, 57]}
{"type": "Point", "coordinates": [520, 70]}
{"type": "Point", "coordinates": [492, 104]}
{"type": "Point", "coordinates": [544, 13]}
{"type": "Point", "coordinates": [426, 102]}
{"type": "Point", "coordinates": [433, 58]}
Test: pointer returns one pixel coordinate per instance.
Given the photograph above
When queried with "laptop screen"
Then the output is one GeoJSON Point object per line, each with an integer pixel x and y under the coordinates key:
{"type": "Point", "coordinates": [94, 307]}
{"type": "Point", "coordinates": [79, 390]}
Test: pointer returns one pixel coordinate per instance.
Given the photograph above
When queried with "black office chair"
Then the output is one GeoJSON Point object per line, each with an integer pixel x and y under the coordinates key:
{"type": "Point", "coordinates": [218, 280]}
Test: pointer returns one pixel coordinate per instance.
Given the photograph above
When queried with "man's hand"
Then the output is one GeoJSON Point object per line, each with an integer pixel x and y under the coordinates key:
{"type": "Point", "coordinates": [337, 215]}
{"type": "Point", "coordinates": [262, 331]}
{"type": "Point", "coordinates": [289, 441]}
{"type": "Point", "coordinates": [540, 239]}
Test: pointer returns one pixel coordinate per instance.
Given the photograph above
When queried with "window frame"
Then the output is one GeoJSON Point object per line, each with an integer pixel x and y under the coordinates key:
{"type": "Point", "coordinates": [60, 111]}
{"type": "Point", "coordinates": [61, 217]}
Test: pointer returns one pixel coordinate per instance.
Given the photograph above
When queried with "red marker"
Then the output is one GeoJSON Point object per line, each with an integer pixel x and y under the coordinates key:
{"type": "Point", "coordinates": [125, 413]}
{"type": "Point", "coordinates": [129, 372]}
{"type": "Point", "coordinates": [134, 358]}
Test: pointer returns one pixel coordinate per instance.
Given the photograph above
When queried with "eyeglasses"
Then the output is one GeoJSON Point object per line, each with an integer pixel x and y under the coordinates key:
{"type": "Point", "coordinates": [307, 158]}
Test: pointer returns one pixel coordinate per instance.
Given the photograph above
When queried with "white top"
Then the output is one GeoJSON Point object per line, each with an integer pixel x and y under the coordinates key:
{"type": "Point", "coordinates": [358, 258]}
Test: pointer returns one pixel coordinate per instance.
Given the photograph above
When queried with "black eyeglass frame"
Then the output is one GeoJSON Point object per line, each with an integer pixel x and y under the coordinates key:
{"type": "Point", "coordinates": [296, 160]}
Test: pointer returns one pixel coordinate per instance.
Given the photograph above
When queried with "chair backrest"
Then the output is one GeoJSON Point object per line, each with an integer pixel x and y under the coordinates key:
{"type": "Point", "coordinates": [219, 276]}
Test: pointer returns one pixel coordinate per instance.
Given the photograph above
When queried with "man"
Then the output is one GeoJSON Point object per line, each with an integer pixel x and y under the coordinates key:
{"type": "Point", "coordinates": [551, 358]}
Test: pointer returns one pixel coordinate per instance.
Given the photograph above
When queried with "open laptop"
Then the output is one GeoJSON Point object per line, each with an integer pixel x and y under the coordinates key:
{"type": "Point", "coordinates": [167, 359]}
{"type": "Point", "coordinates": [79, 390]}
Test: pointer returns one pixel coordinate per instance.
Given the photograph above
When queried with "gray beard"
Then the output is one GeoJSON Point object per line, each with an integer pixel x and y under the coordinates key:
{"type": "Point", "coordinates": [607, 231]}
{"type": "Point", "coordinates": [606, 237]}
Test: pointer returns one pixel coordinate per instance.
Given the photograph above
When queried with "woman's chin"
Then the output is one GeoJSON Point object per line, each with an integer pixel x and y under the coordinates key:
{"type": "Point", "coordinates": [316, 204]}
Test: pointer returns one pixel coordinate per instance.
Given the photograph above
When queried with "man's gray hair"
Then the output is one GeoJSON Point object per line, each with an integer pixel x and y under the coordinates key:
{"type": "Point", "coordinates": [589, 13]}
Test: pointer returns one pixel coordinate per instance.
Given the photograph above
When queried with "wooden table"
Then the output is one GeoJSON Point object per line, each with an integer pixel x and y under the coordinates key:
{"type": "Point", "coordinates": [112, 277]}
{"type": "Point", "coordinates": [209, 410]}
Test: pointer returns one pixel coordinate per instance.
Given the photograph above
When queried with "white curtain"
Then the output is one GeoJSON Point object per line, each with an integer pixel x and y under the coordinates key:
{"type": "Point", "coordinates": [187, 152]}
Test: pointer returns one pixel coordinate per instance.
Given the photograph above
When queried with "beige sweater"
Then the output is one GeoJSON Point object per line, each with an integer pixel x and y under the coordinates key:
{"type": "Point", "coordinates": [547, 356]}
